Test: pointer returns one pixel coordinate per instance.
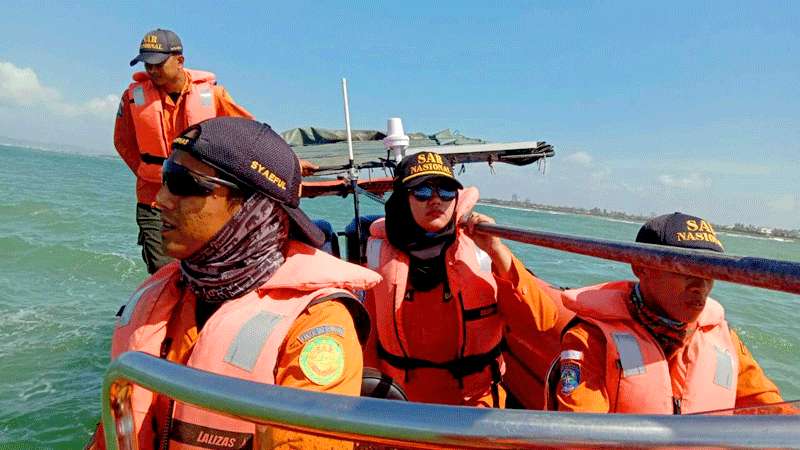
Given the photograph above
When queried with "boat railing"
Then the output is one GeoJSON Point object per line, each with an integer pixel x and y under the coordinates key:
{"type": "Point", "coordinates": [376, 423]}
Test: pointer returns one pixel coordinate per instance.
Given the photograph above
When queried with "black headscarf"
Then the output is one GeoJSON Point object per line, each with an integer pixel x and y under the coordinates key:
{"type": "Point", "coordinates": [425, 249]}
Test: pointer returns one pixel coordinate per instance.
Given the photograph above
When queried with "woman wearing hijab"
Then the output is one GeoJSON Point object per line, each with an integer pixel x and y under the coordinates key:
{"type": "Point", "coordinates": [439, 313]}
{"type": "Point", "coordinates": [249, 296]}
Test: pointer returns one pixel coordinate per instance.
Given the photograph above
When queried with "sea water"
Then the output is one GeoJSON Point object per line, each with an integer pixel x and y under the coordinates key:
{"type": "Point", "coordinates": [69, 260]}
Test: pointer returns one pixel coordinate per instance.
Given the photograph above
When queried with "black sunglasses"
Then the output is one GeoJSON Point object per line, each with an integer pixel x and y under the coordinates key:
{"type": "Point", "coordinates": [425, 192]}
{"type": "Point", "coordinates": [186, 183]}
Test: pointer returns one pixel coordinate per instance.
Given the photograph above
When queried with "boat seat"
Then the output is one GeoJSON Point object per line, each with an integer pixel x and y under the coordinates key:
{"type": "Point", "coordinates": [350, 236]}
{"type": "Point", "coordinates": [331, 245]}
{"type": "Point", "coordinates": [379, 385]}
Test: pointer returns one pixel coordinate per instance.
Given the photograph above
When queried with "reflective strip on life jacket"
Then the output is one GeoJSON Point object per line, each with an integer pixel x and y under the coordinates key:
{"type": "Point", "coordinates": [630, 355]}
{"type": "Point", "coordinates": [484, 260]}
{"type": "Point", "coordinates": [206, 96]}
{"type": "Point", "coordinates": [723, 375]}
{"type": "Point", "coordinates": [246, 346]}
{"type": "Point", "coordinates": [138, 95]}
{"type": "Point", "coordinates": [374, 253]}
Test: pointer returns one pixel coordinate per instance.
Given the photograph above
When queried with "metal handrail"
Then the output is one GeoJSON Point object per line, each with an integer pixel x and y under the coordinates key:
{"type": "Point", "coordinates": [419, 425]}
{"type": "Point", "coordinates": [765, 273]}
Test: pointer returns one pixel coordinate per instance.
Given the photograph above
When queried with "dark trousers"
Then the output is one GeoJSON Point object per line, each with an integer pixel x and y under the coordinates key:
{"type": "Point", "coordinates": [149, 221]}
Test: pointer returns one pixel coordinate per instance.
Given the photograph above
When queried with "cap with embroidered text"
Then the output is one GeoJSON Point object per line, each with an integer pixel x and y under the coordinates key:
{"type": "Point", "coordinates": [418, 168]}
{"type": "Point", "coordinates": [680, 230]}
{"type": "Point", "coordinates": [157, 46]}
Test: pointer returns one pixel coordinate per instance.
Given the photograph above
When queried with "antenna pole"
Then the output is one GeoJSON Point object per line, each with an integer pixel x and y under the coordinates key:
{"type": "Point", "coordinates": [353, 173]}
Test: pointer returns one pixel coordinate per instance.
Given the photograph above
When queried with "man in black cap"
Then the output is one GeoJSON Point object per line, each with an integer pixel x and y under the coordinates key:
{"type": "Point", "coordinates": [250, 296]}
{"type": "Point", "coordinates": [163, 100]}
{"type": "Point", "coordinates": [660, 345]}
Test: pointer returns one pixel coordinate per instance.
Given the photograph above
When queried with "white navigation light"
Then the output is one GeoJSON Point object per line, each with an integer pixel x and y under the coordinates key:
{"type": "Point", "coordinates": [396, 139]}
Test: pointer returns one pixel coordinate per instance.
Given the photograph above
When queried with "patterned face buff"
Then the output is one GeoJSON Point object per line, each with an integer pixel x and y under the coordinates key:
{"type": "Point", "coordinates": [242, 255]}
{"type": "Point", "coordinates": [670, 334]}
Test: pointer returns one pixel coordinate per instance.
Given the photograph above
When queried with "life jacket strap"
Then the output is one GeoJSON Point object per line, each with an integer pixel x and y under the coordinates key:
{"type": "Point", "coordinates": [152, 159]}
{"type": "Point", "coordinates": [459, 368]}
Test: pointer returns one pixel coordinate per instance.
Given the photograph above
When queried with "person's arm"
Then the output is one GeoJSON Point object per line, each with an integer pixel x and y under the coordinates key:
{"type": "Point", "coordinates": [582, 385]}
{"type": "Point", "coordinates": [753, 388]}
{"type": "Point", "coordinates": [226, 106]}
{"type": "Point", "coordinates": [125, 135]}
{"type": "Point", "coordinates": [371, 346]}
{"type": "Point", "coordinates": [515, 283]}
{"type": "Point", "coordinates": [321, 353]}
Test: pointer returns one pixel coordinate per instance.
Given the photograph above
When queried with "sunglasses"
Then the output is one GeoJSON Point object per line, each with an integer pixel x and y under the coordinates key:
{"type": "Point", "coordinates": [186, 183]}
{"type": "Point", "coordinates": [425, 192]}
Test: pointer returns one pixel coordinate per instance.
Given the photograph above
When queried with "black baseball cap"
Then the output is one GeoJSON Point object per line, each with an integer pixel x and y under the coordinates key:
{"type": "Point", "coordinates": [255, 157]}
{"type": "Point", "coordinates": [418, 168]}
{"type": "Point", "coordinates": [680, 230]}
{"type": "Point", "coordinates": [157, 46]}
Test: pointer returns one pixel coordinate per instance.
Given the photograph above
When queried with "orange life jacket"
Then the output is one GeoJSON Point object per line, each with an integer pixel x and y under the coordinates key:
{"type": "Point", "coordinates": [148, 119]}
{"type": "Point", "coordinates": [639, 379]}
{"type": "Point", "coordinates": [479, 364]}
{"type": "Point", "coordinates": [241, 339]}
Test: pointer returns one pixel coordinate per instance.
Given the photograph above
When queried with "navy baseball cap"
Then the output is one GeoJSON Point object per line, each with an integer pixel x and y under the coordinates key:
{"type": "Point", "coordinates": [256, 158]}
{"type": "Point", "coordinates": [418, 168]}
{"type": "Point", "coordinates": [680, 230]}
{"type": "Point", "coordinates": [157, 46]}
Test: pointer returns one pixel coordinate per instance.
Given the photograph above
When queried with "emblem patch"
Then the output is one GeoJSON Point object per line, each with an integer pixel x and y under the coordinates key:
{"type": "Point", "coordinates": [570, 377]}
{"type": "Point", "coordinates": [322, 360]}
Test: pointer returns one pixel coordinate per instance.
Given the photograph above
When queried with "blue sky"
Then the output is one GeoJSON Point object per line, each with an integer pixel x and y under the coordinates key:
{"type": "Point", "coordinates": [651, 107]}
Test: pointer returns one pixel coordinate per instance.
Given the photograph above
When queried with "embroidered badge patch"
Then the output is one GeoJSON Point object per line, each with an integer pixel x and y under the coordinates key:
{"type": "Point", "coordinates": [570, 377]}
{"type": "Point", "coordinates": [322, 360]}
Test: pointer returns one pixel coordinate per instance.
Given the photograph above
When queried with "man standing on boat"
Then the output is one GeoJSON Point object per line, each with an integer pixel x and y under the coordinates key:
{"type": "Point", "coordinates": [163, 100]}
{"type": "Point", "coordinates": [660, 345]}
{"type": "Point", "coordinates": [249, 296]}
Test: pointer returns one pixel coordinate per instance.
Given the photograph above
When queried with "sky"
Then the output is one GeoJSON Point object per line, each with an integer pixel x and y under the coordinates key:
{"type": "Point", "coordinates": [651, 108]}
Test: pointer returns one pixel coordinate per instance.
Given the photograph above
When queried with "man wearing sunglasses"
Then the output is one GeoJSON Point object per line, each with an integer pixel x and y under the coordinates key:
{"type": "Point", "coordinates": [250, 295]}
{"type": "Point", "coordinates": [163, 100]}
{"type": "Point", "coordinates": [447, 292]}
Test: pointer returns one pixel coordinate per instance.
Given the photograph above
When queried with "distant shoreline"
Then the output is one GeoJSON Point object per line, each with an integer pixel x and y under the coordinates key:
{"type": "Point", "coordinates": [738, 229]}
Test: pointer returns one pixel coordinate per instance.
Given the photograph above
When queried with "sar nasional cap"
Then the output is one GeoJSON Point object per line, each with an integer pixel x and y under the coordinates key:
{"type": "Point", "coordinates": [680, 230]}
{"type": "Point", "coordinates": [418, 168]}
{"type": "Point", "coordinates": [256, 158]}
{"type": "Point", "coordinates": [156, 47]}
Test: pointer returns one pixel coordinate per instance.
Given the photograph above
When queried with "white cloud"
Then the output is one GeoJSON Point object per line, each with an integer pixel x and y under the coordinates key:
{"type": "Point", "coordinates": [691, 182]}
{"type": "Point", "coordinates": [21, 87]}
{"type": "Point", "coordinates": [579, 158]}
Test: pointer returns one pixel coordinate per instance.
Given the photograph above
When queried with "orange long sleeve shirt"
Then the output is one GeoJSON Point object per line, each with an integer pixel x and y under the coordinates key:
{"type": "Point", "coordinates": [431, 330]}
{"type": "Point", "coordinates": [175, 121]}
{"type": "Point", "coordinates": [753, 387]}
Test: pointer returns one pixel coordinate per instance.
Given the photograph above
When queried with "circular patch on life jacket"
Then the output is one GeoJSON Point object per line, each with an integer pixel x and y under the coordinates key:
{"type": "Point", "coordinates": [322, 360]}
